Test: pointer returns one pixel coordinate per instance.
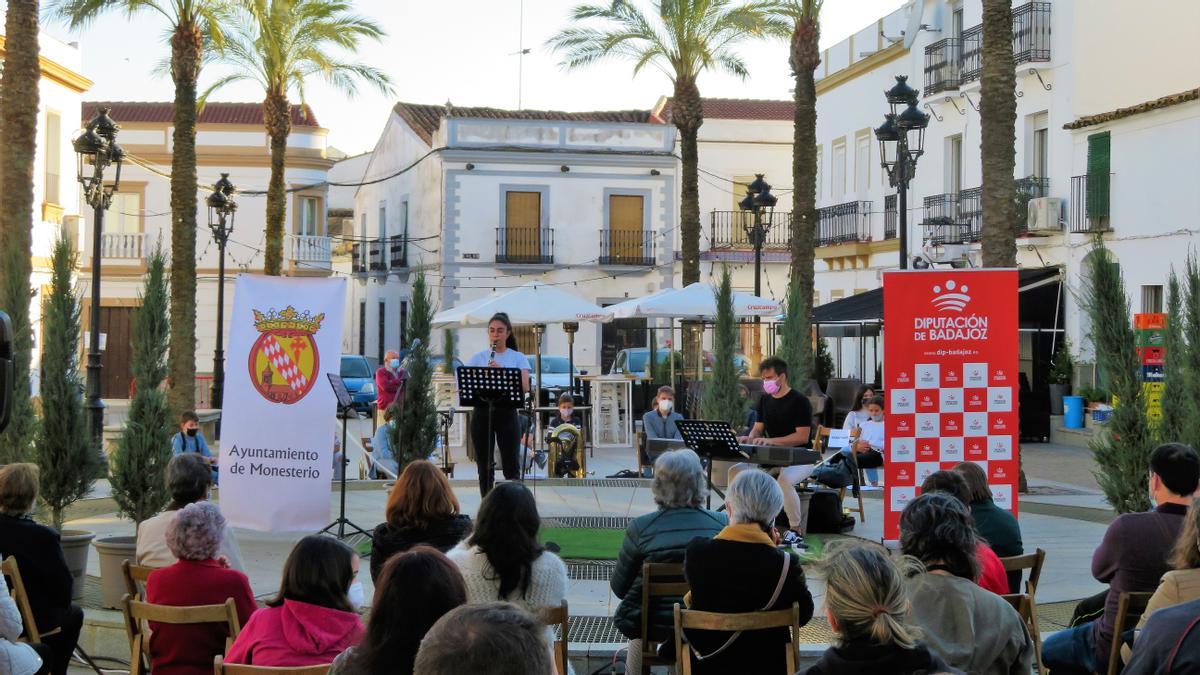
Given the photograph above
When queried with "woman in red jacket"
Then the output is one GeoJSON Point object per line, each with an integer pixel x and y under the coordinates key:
{"type": "Point", "coordinates": [313, 618]}
{"type": "Point", "coordinates": [194, 536]}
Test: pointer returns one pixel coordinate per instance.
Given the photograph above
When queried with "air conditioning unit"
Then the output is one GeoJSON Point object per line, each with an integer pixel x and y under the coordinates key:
{"type": "Point", "coordinates": [1043, 214]}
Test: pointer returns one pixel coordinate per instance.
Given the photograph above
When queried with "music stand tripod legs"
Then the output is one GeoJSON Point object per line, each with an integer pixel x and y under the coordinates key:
{"type": "Point", "coordinates": [342, 521]}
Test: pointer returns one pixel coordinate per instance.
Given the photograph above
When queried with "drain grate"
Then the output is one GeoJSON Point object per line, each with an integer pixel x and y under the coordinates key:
{"type": "Point", "coordinates": [590, 522]}
{"type": "Point", "coordinates": [594, 630]}
{"type": "Point", "coordinates": [590, 570]}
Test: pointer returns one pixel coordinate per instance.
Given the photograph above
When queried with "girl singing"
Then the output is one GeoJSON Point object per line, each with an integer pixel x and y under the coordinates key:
{"type": "Point", "coordinates": [502, 353]}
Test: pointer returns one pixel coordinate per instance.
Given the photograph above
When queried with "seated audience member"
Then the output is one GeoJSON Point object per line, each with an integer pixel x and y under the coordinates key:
{"type": "Point", "coordinates": [566, 414]}
{"type": "Point", "coordinates": [679, 488]}
{"type": "Point", "coordinates": [189, 440]}
{"type": "Point", "coordinates": [856, 418]}
{"type": "Point", "coordinates": [741, 570]}
{"type": "Point", "coordinates": [503, 559]}
{"type": "Point", "coordinates": [19, 658]}
{"type": "Point", "coordinates": [997, 526]}
{"type": "Point", "coordinates": [194, 538]}
{"type": "Point", "coordinates": [972, 629]}
{"type": "Point", "coordinates": [381, 442]}
{"type": "Point", "coordinates": [313, 618]}
{"type": "Point", "coordinates": [188, 482]}
{"type": "Point", "coordinates": [1132, 556]}
{"type": "Point", "coordinates": [1181, 584]}
{"type": "Point", "coordinates": [991, 571]}
{"type": "Point", "coordinates": [867, 438]}
{"type": "Point", "coordinates": [1169, 643]}
{"type": "Point", "coordinates": [751, 413]}
{"type": "Point", "coordinates": [421, 509]}
{"type": "Point", "coordinates": [867, 606]}
{"type": "Point", "coordinates": [414, 590]}
{"type": "Point", "coordinates": [40, 559]}
{"type": "Point", "coordinates": [784, 417]}
{"type": "Point", "coordinates": [497, 638]}
{"type": "Point", "coordinates": [660, 422]}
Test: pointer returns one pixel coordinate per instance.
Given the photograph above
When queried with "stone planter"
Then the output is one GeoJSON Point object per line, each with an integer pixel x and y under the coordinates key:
{"type": "Point", "coordinates": [1057, 392]}
{"type": "Point", "coordinates": [75, 550]}
{"type": "Point", "coordinates": [113, 551]}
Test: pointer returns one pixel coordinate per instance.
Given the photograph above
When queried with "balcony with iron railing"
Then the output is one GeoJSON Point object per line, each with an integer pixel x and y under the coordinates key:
{"type": "Point", "coordinates": [943, 61]}
{"type": "Point", "coordinates": [941, 221]}
{"type": "Point", "coordinates": [1091, 203]}
{"type": "Point", "coordinates": [890, 217]}
{"type": "Point", "coordinates": [358, 258]}
{"type": "Point", "coordinates": [635, 248]}
{"type": "Point", "coordinates": [397, 252]}
{"type": "Point", "coordinates": [972, 54]}
{"type": "Point", "coordinates": [524, 246]}
{"type": "Point", "coordinates": [1031, 41]}
{"type": "Point", "coordinates": [844, 223]}
{"type": "Point", "coordinates": [1032, 187]}
{"type": "Point", "coordinates": [310, 252]}
{"type": "Point", "coordinates": [727, 230]}
{"type": "Point", "coordinates": [376, 257]}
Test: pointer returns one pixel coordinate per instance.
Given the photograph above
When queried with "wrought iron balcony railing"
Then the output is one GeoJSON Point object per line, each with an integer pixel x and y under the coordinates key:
{"type": "Point", "coordinates": [890, 217]}
{"type": "Point", "coordinates": [398, 251]}
{"type": "Point", "coordinates": [1031, 41]}
{"type": "Point", "coordinates": [727, 230]}
{"type": "Point", "coordinates": [376, 260]}
{"type": "Point", "coordinates": [843, 223]}
{"type": "Point", "coordinates": [358, 258]}
{"type": "Point", "coordinates": [1090, 206]}
{"type": "Point", "coordinates": [627, 247]}
{"type": "Point", "coordinates": [943, 60]}
{"type": "Point", "coordinates": [524, 245]}
{"type": "Point", "coordinates": [972, 54]}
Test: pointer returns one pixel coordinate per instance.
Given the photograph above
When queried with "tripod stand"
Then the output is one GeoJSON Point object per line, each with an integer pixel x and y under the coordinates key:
{"type": "Point", "coordinates": [490, 388]}
{"type": "Point", "coordinates": [345, 410]}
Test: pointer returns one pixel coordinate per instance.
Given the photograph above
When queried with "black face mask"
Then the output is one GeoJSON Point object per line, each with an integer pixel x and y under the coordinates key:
{"type": "Point", "coordinates": [192, 432]}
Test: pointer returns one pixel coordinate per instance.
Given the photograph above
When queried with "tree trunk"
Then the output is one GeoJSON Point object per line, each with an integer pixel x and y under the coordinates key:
{"type": "Point", "coordinates": [181, 360]}
{"type": "Point", "coordinates": [998, 121]}
{"type": "Point", "coordinates": [804, 59]}
{"type": "Point", "coordinates": [18, 140]}
{"type": "Point", "coordinates": [278, 119]}
{"type": "Point", "coordinates": [688, 114]}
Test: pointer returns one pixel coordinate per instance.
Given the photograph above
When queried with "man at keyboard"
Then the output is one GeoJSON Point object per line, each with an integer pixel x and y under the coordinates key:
{"type": "Point", "coordinates": [784, 417]}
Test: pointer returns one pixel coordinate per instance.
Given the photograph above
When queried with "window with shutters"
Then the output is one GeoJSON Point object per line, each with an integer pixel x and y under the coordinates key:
{"type": "Point", "coordinates": [521, 239]}
{"type": "Point", "coordinates": [626, 229]}
{"type": "Point", "coordinates": [53, 156]}
{"type": "Point", "coordinates": [838, 170]}
{"type": "Point", "coordinates": [381, 332]}
{"type": "Point", "coordinates": [1099, 172]}
{"type": "Point", "coordinates": [526, 342]}
{"type": "Point", "coordinates": [862, 162]}
{"type": "Point", "coordinates": [362, 328]}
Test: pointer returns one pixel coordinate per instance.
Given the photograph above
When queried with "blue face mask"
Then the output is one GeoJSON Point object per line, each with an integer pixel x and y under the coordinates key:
{"type": "Point", "coordinates": [394, 364]}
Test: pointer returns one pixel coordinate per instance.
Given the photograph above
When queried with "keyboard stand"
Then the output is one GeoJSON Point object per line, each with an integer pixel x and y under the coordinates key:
{"type": "Point", "coordinates": [710, 439]}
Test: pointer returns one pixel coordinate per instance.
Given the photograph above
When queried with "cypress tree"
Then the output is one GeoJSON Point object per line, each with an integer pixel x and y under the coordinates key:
{"type": "Point", "coordinates": [721, 400]}
{"type": "Point", "coordinates": [796, 338]}
{"type": "Point", "coordinates": [413, 437]}
{"type": "Point", "coordinates": [66, 457]}
{"type": "Point", "coordinates": [449, 350]}
{"type": "Point", "coordinates": [16, 440]}
{"type": "Point", "coordinates": [1191, 355]}
{"type": "Point", "coordinates": [824, 365]}
{"type": "Point", "coordinates": [144, 447]}
{"type": "Point", "coordinates": [1123, 453]}
{"type": "Point", "coordinates": [1175, 407]}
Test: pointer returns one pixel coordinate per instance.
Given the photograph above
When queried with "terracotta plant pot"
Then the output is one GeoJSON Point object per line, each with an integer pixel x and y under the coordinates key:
{"type": "Point", "coordinates": [75, 550]}
{"type": "Point", "coordinates": [113, 551]}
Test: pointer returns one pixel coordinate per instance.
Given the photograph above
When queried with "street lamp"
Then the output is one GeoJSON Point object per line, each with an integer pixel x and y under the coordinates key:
{"type": "Point", "coordinates": [96, 149]}
{"type": "Point", "coordinates": [906, 129]}
{"type": "Point", "coordinates": [221, 210]}
{"type": "Point", "coordinates": [758, 200]}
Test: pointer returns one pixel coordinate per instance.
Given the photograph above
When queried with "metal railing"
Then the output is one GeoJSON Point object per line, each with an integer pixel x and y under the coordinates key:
{"type": "Point", "coordinates": [1032, 187]}
{"type": "Point", "coordinates": [375, 256]}
{"type": "Point", "coordinates": [843, 223]}
{"type": "Point", "coordinates": [1090, 203]}
{"type": "Point", "coordinates": [1031, 41]}
{"type": "Point", "coordinates": [943, 60]}
{"type": "Point", "coordinates": [972, 54]}
{"type": "Point", "coordinates": [619, 247]}
{"type": "Point", "coordinates": [941, 221]}
{"type": "Point", "coordinates": [890, 217]}
{"type": "Point", "coordinates": [525, 245]}
{"type": "Point", "coordinates": [727, 230]}
{"type": "Point", "coordinates": [125, 245]}
{"type": "Point", "coordinates": [970, 215]}
{"type": "Point", "coordinates": [358, 258]}
{"type": "Point", "coordinates": [398, 249]}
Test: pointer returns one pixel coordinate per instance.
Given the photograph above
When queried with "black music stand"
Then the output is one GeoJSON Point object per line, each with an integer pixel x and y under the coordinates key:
{"type": "Point", "coordinates": [711, 439]}
{"type": "Point", "coordinates": [346, 408]}
{"type": "Point", "coordinates": [491, 388]}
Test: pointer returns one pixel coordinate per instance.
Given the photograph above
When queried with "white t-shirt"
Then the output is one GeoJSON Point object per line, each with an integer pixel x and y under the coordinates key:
{"type": "Point", "coordinates": [855, 418]}
{"type": "Point", "coordinates": [509, 358]}
{"type": "Point", "coordinates": [872, 432]}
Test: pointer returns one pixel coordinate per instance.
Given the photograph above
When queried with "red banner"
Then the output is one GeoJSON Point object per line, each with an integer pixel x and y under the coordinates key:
{"type": "Point", "coordinates": [950, 375]}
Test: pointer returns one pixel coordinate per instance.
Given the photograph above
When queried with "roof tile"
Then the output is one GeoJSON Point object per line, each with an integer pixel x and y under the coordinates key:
{"type": "Point", "coordinates": [425, 119]}
{"type": "Point", "coordinates": [214, 112]}
{"type": "Point", "coordinates": [735, 109]}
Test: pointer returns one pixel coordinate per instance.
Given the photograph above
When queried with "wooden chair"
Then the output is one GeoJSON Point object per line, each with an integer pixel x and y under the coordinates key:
{"type": "Point", "coordinates": [12, 575]}
{"type": "Point", "coordinates": [779, 618]}
{"type": "Point", "coordinates": [661, 580]}
{"type": "Point", "coordinates": [137, 612]}
{"type": "Point", "coordinates": [1029, 561]}
{"type": "Point", "coordinates": [222, 668]}
{"type": "Point", "coordinates": [820, 444]}
{"type": "Point", "coordinates": [558, 616]}
{"type": "Point", "coordinates": [1025, 606]}
{"type": "Point", "coordinates": [1130, 608]}
{"type": "Point", "coordinates": [135, 578]}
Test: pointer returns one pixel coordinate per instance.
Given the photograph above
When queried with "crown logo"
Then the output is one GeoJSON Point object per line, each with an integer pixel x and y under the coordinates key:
{"type": "Point", "coordinates": [952, 299]}
{"type": "Point", "coordinates": [287, 319]}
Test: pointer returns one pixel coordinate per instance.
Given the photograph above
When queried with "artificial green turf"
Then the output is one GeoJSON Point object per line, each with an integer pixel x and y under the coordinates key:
{"type": "Point", "coordinates": [586, 543]}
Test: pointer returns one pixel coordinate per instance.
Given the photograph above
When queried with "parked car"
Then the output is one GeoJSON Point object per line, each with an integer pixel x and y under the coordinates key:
{"type": "Point", "coordinates": [435, 362]}
{"type": "Point", "coordinates": [359, 376]}
{"type": "Point", "coordinates": [554, 372]}
{"type": "Point", "coordinates": [635, 360]}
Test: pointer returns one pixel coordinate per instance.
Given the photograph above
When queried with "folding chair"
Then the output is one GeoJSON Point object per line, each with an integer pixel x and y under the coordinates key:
{"type": "Point", "coordinates": [1025, 606]}
{"type": "Point", "coordinates": [779, 618]}
{"type": "Point", "coordinates": [222, 668]}
{"type": "Point", "coordinates": [12, 577]}
{"type": "Point", "coordinates": [659, 580]}
{"type": "Point", "coordinates": [137, 612]}
{"type": "Point", "coordinates": [135, 578]}
{"type": "Point", "coordinates": [1029, 561]}
{"type": "Point", "coordinates": [558, 616]}
{"type": "Point", "coordinates": [1130, 608]}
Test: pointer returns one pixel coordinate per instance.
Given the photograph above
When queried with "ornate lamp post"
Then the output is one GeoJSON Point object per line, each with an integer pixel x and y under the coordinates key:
{"type": "Point", "coordinates": [758, 200]}
{"type": "Point", "coordinates": [96, 149]}
{"type": "Point", "coordinates": [907, 130]}
{"type": "Point", "coordinates": [221, 210]}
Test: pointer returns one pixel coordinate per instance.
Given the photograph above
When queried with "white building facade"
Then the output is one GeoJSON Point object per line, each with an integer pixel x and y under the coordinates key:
{"type": "Point", "coordinates": [485, 199]}
{"type": "Point", "coordinates": [230, 138]}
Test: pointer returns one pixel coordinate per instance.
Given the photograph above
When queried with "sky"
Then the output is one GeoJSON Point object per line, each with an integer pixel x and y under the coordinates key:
{"type": "Point", "coordinates": [462, 51]}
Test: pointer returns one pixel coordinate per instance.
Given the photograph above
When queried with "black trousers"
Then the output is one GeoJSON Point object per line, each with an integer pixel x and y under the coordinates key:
{"type": "Point", "coordinates": [47, 658]}
{"type": "Point", "coordinates": [507, 432]}
{"type": "Point", "coordinates": [62, 644]}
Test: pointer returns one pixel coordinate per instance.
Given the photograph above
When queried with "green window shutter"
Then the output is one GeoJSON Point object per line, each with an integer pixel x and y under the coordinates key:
{"type": "Point", "coordinates": [1099, 170]}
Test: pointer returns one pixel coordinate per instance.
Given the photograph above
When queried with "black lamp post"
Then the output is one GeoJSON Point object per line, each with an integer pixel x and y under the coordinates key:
{"type": "Point", "coordinates": [759, 200]}
{"type": "Point", "coordinates": [97, 147]}
{"type": "Point", "coordinates": [899, 128]}
{"type": "Point", "coordinates": [221, 210]}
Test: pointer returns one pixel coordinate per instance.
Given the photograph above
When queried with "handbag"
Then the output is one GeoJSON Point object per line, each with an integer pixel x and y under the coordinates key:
{"type": "Point", "coordinates": [837, 475]}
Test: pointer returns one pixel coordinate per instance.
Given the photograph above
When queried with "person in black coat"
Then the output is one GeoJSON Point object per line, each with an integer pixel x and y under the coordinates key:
{"type": "Point", "coordinates": [742, 570]}
{"type": "Point", "coordinates": [421, 509]}
{"type": "Point", "coordinates": [866, 602]}
{"type": "Point", "coordinates": [43, 568]}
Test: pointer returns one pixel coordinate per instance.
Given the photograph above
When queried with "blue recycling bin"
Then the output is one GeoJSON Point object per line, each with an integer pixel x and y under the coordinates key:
{"type": "Point", "coordinates": [1073, 412]}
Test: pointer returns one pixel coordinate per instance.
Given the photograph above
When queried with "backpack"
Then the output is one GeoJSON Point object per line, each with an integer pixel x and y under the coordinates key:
{"type": "Point", "coordinates": [825, 514]}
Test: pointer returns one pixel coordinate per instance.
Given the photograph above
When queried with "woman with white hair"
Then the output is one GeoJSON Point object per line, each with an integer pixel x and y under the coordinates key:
{"type": "Point", "coordinates": [679, 489]}
{"type": "Point", "coordinates": [194, 536]}
{"type": "Point", "coordinates": [742, 570]}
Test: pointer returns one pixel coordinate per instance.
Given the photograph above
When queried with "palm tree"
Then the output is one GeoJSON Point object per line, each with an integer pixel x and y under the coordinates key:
{"type": "Point", "coordinates": [193, 26]}
{"type": "Point", "coordinates": [279, 44]}
{"type": "Point", "coordinates": [804, 34]}
{"type": "Point", "coordinates": [685, 38]}
{"type": "Point", "coordinates": [18, 139]}
{"type": "Point", "coordinates": [998, 130]}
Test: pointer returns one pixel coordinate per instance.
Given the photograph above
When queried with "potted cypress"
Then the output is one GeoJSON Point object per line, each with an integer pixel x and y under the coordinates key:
{"type": "Point", "coordinates": [1062, 369]}
{"type": "Point", "coordinates": [68, 462]}
{"type": "Point", "coordinates": [415, 435]}
{"type": "Point", "coordinates": [722, 401]}
{"type": "Point", "coordinates": [143, 448]}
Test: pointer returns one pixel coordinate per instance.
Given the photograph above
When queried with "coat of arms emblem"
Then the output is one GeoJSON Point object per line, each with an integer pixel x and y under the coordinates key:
{"type": "Point", "coordinates": [284, 360]}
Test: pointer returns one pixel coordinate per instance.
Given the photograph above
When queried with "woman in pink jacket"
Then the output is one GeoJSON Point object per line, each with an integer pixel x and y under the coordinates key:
{"type": "Point", "coordinates": [313, 618]}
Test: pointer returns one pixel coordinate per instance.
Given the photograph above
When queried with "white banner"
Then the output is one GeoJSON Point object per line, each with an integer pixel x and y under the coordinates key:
{"type": "Point", "coordinates": [279, 411]}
